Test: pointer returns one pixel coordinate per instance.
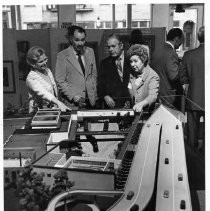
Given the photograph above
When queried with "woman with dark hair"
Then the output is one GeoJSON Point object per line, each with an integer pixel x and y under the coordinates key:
{"type": "Point", "coordinates": [41, 85]}
{"type": "Point", "coordinates": [144, 81]}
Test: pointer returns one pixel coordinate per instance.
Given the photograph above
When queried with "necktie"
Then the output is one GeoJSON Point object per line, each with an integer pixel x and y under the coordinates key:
{"type": "Point", "coordinates": [119, 68]}
{"type": "Point", "coordinates": [81, 63]}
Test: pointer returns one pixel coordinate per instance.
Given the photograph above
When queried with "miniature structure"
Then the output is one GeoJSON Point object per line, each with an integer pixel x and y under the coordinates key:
{"type": "Point", "coordinates": [146, 170]}
{"type": "Point", "coordinates": [153, 158]}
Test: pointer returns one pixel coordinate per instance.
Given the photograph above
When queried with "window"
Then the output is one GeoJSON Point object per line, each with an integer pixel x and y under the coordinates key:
{"type": "Point", "coordinates": [121, 15]}
{"type": "Point", "coordinates": [48, 175]}
{"type": "Point", "coordinates": [143, 24]}
{"type": "Point", "coordinates": [141, 15]}
{"type": "Point", "coordinates": [29, 5]}
{"type": "Point", "coordinates": [108, 25]}
{"type": "Point", "coordinates": [175, 23]}
{"type": "Point", "coordinates": [134, 24]}
{"type": "Point", "coordinates": [87, 25]}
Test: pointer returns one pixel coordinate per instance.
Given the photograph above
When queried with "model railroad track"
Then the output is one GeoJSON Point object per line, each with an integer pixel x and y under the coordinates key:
{"type": "Point", "coordinates": [123, 172]}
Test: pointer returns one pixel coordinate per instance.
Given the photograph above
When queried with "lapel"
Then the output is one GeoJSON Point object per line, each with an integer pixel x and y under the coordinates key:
{"type": "Point", "coordinates": [126, 70]}
{"type": "Point", "coordinates": [112, 68]}
{"type": "Point", "coordinates": [88, 59]}
{"type": "Point", "coordinates": [71, 57]}
{"type": "Point", "coordinates": [53, 82]}
{"type": "Point", "coordinates": [145, 75]}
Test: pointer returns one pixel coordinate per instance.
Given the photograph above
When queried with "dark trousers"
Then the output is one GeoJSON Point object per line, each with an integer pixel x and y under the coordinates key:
{"type": "Point", "coordinates": [195, 128]}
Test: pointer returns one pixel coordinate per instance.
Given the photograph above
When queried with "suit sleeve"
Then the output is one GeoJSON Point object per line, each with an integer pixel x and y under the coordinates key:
{"type": "Point", "coordinates": [183, 73]}
{"type": "Point", "coordinates": [34, 84]}
{"type": "Point", "coordinates": [172, 67]}
{"type": "Point", "coordinates": [60, 77]}
{"type": "Point", "coordinates": [153, 89]}
{"type": "Point", "coordinates": [94, 69]}
{"type": "Point", "coordinates": [102, 81]}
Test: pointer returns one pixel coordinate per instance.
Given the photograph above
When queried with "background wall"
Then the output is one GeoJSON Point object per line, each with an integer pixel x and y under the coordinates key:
{"type": "Point", "coordinates": [10, 54]}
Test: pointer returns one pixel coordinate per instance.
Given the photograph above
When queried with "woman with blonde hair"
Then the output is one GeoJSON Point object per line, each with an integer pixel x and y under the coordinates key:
{"type": "Point", "coordinates": [42, 89]}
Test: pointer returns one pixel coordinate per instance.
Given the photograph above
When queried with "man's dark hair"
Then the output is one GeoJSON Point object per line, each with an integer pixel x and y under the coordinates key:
{"type": "Point", "coordinates": [72, 29]}
{"type": "Point", "coordinates": [116, 36]}
{"type": "Point", "coordinates": [175, 32]}
{"type": "Point", "coordinates": [201, 34]}
{"type": "Point", "coordinates": [136, 37]}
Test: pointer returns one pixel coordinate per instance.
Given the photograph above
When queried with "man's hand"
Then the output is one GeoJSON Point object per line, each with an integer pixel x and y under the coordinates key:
{"type": "Point", "coordinates": [185, 88]}
{"type": "Point", "coordinates": [109, 101]}
{"type": "Point", "coordinates": [78, 99]}
{"type": "Point", "coordinates": [127, 104]}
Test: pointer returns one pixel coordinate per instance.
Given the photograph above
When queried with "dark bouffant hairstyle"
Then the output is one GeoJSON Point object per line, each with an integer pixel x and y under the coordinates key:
{"type": "Point", "coordinates": [140, 51]}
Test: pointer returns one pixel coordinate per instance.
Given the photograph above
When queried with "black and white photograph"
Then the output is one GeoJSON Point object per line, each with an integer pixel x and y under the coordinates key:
{"type": "Point", "coordinates": [103, 106]}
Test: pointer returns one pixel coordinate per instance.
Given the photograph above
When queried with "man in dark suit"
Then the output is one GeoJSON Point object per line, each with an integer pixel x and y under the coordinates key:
{"type": "Point", "coordinates": [192, 74]}
{"type": "Point", "coordinates": [114, 75]}
{"type": "Point", "coordinates": [165, 62]}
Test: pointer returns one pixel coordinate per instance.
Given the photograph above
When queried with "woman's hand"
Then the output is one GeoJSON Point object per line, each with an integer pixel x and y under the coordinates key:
{"type": "Point", "coordinates": [60, 105]}
{"type": "Point", "coordinates": [139, 106]}
{"type": "Point", "coordinates": [63, 107]}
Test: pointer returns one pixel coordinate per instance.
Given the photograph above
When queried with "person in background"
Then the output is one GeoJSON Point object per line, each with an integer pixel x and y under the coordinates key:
{"type": "Point", "coordinates": [76, 72]}
{"type": "Point", "coordinates": [42, 89]}
{"type": "Point", "coordinates": [136, 37]}
{"type": "Point", "coordinates": [192, 74]}
{"type": "Point", "coordinates": [144, 81]}
{"type": "Point", "coordinates": [114, 75]}
{"type": "Point", "coordinates": [189, 33]}
{"type": "Point", "coordinates": [165, 62]}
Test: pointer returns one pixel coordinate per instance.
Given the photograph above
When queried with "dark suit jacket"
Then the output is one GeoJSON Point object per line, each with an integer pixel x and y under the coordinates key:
{"type": "Point", "coordinates": [109, 82]}
{"type": "Point", "coordinates": [70, 78]}
{"type": "Point", "coordinates": [166, 63]}
{"type": "Point", "coordinates": [192, 72]}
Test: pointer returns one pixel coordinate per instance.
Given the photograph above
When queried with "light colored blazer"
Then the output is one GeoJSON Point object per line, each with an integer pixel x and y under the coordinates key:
{"type": "Point", "coordinates": [148, 87]}
{"type": "Point", "coordinates": [39, 90]}
{"type": "Point", "coordinates": [70, 78]}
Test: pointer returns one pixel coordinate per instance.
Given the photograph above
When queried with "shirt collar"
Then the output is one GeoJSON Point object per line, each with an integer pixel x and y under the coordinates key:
{"type": "Point", "coordinates": [122, 56]}
{"type": "Point", "coordinates": [76, 53]}
{"type": "Point", "coordinates": [170, 44]}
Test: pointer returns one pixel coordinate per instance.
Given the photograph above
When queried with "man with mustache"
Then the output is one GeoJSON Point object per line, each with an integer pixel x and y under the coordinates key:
{"type": "Point", "coordinates": [76, 74]}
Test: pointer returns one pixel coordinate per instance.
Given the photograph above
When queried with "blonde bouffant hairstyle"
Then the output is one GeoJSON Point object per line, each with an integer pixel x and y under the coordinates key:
{"type": "Point", "coordinates": [34, 54]}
